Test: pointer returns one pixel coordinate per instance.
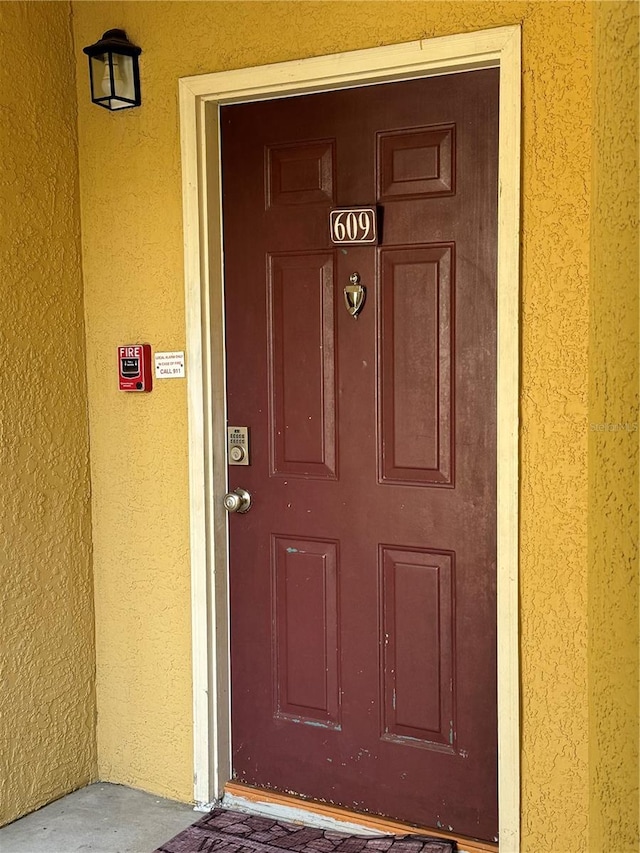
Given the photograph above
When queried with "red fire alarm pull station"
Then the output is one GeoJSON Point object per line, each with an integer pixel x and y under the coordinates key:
{"type": "Point", "coordinates": [134, 367]}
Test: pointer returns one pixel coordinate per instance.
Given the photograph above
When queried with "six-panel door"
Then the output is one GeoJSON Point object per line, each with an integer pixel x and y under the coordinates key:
{"type": "Point", "coordinates": [363, 623]}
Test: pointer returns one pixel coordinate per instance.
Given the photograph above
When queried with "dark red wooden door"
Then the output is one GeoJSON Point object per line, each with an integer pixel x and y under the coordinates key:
{"type": "Point", "coordinates": [363, 614]}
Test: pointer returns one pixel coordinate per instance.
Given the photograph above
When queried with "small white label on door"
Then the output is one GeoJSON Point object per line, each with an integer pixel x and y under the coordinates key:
{"type": "Point", "coordinates": [169, 365]}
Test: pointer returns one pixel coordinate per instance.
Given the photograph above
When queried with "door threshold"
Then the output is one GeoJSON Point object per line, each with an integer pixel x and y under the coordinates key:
{"type": "Point", "coordinates": [288, 807]}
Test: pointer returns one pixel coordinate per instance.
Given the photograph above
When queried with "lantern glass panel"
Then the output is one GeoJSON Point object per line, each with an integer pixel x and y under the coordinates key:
{"type": "Point", "coordinates": [124, 85]}
{"type": "Point", "coordinates": [97, 64]}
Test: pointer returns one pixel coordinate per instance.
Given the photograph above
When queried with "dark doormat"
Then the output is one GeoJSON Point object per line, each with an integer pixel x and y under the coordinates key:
{"type": "Point", "coordinates": [226, 831]}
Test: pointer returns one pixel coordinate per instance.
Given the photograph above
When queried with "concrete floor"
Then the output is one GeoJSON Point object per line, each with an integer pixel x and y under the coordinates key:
{"type": "Point", "coordinates": [100, 818]}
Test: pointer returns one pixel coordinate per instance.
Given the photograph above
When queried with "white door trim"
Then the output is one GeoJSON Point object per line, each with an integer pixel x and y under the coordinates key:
{"type": "Point", "coordinates": [200, 98]}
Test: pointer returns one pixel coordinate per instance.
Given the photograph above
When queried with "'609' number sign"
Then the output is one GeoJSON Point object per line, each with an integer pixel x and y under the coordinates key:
{"type": "Point", "coordinates": [353, 225]}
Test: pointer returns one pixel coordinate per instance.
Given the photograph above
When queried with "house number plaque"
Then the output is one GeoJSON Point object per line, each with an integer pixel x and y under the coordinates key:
{"type": "Point", "coordinates": [357, 225]}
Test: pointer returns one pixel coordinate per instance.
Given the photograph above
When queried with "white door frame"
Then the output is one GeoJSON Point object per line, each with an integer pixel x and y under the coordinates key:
{"type": "Point", "coordinates": [200, 98]}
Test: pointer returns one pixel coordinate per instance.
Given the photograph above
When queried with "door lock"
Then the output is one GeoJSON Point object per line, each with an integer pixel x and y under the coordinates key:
{"type": "Point", "coordinates": [237, 501]}
{"type": "Point", "coordinates": [238, 445]}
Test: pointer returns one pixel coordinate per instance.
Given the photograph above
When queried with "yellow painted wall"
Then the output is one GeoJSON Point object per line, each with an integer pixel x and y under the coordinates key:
{"type": "Point", "coordinates": [132, 254]}
{"type": "Point", "coordinates": [47, 702]}
{"type": "Point", "coordinates": [613, 436]}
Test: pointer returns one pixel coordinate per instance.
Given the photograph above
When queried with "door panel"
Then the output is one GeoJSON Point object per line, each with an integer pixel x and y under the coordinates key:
{"type": "Point", "coordinates": [302, 376]}
{"type": "Point", "coordinates": [416, 163]}
{"type": "Point", "coordinates": [417, 638]}
{"type": "Point", "coordinates": [362, 581]}
{"type": "Point", "coordinates": [305, 608]}
{"type": "Point", "coordinates": [416, 286]}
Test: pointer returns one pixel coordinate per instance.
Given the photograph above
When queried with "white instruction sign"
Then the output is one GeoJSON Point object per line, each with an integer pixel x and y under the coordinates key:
{"type": "Point", "coordinates": [169, 365]}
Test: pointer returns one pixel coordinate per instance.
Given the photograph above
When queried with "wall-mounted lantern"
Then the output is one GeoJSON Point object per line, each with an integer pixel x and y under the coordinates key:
{"type": "Point", "coordinates": [114, 71]}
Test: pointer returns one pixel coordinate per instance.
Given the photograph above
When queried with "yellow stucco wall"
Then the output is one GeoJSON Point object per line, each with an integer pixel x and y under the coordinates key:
{"type": "Point", "coordinates": [132, 255]}
{"type": "Point", "coordinates": [613, 436]}
{"type": "Point", "coordinates": [47, 702]}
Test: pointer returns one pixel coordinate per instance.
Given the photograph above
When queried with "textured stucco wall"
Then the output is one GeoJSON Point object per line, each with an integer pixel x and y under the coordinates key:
{"type": "Point", "coordinates": [613, 436]}
{"type": "Point", "coordinates": [47, 702]}
{"type": "Point", "coordinates": [132, 245]}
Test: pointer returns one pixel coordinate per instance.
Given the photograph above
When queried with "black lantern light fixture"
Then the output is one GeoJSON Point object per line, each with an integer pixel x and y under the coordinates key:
{"type": "Point", "coordinates": [114, 71]}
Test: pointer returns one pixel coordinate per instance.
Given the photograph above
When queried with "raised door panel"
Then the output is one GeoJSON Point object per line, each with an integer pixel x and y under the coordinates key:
{"type": "Point", "coordinates": [417, 163]}
{"type": "Point", "coordinates": [306, 641]}
{"type": "Point", "coordinates": [300, 174]}
{"type": "Point", "coordinates": [416, 365]}
{"type": "Point", "coordinates": [418, 677]}
{"type": "Point", "coordinates": [302, 380]}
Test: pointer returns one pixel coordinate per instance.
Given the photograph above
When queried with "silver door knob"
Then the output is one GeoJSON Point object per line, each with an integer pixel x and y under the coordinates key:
{"type": "Point", "coordinates": [237, 501]}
